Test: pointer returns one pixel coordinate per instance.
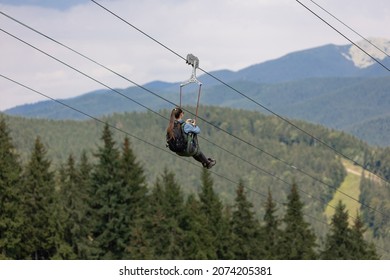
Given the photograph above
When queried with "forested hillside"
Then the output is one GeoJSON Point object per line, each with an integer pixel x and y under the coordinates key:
{"type": "Point", "coordinates": [87, 164]}
{"type": "Point", "coordinates": [354, 105]}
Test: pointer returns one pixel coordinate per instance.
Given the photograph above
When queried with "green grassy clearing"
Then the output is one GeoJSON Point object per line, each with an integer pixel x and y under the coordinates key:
{"type": "Point", "coordinates": [349, 189]}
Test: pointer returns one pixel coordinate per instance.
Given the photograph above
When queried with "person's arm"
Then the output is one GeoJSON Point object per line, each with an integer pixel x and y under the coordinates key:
{"type": "Point", "coordinates": [191, 128]}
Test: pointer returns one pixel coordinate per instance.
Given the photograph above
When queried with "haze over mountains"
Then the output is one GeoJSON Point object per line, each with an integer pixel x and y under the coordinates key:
{"type": "Point", "coordinates": [336, 86]}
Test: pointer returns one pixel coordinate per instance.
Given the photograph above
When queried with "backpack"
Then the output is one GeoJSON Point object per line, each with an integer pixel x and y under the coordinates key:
{"type": "Point", "coordinates": [178, 143]}
{"type": "Point", "coordinates": [183, 144]}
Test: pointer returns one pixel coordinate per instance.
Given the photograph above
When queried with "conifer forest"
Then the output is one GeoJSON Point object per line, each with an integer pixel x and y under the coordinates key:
{"type": "Point", "coordinates": [105, 204]}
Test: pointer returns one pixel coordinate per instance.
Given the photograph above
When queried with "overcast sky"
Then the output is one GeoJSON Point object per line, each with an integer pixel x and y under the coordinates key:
{"type": "Point", "coordinates": [224, 34]}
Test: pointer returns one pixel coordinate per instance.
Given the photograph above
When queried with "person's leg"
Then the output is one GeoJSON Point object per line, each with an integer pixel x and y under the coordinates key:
{"type": "Point", "coordinates": [206, 162]}
{"type": "Point", "coordinates": [201, 158]}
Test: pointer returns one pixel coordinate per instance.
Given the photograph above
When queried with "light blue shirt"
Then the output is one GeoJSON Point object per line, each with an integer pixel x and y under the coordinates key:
{"type": "Point", "coordinates": [190, 128]}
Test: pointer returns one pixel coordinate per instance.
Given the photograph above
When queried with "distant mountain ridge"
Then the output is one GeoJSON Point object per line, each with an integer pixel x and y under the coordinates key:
{"type": "Point", "coordinates": [324, 61]}
{"type": "Point", "coordinates": [332, 85]}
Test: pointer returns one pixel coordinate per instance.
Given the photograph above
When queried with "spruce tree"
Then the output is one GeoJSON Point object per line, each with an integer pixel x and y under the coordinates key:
{"type": "Point", "coordinates": [245, 228]}
{"type": "Point", "coordinates": [271, 232]}
{"type": "Point", "coordinates": [226, 252]}
{"type": "Point", "coordinates": [165, 218]}
{"type": "Point", "coordinates": [362, 249]}
{"type": "Point", "coordinates": [110, 202]}
{"type": "Point", "coordinates": [11, 218]}
{"type": "Point", "coordinates": [338, 242]}
{"type": "Point", "coordinates": [298, 240]}
{"type": "Point", "coordinates": [344, 243]}
{"type": "Point", "coordinates": [74, 194]}
{"type": "Point", "coordinates": [42, 236]}
{"type": "Point", "coordinates": [197, 239]}
{"type": "Point", "coordinates": [133, 180]}
{"type": "Point", "coordinates": [156, 223]}
{"type": "Point", "coordinates": [215, 222]}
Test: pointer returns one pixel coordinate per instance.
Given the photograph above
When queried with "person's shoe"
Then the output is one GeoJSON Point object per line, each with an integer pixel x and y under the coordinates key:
{"type": "Point", "coordinates": [211, 163]}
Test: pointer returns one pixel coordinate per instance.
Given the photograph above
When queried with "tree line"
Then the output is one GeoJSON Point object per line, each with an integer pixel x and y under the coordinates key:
{"type": "Point", "coordinates": [106, 210]}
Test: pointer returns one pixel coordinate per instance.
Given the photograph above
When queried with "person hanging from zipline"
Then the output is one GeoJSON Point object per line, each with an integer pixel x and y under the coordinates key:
{"type": "Point", "coordinates": [182, 138]}
{"type": "Point", "coordinates": [181, 135]}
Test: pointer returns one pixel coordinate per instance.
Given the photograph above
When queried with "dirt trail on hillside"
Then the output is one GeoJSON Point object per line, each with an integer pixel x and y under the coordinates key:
{"type": "Point", "coordinates": [349, 170]}
{"type": "Point", "coordinates": [357, 170]}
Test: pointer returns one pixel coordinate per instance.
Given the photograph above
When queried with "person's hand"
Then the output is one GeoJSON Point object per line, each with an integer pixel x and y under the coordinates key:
{"type": "Point", "coordinates": [191, 121]}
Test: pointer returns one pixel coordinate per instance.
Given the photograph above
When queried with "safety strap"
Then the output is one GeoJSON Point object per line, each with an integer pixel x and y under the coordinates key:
{"type": "Point", "coordinates": [194, 62]}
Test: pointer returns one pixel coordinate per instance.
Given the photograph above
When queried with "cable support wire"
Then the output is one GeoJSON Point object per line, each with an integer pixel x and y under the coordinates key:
{"type": "Point", "coordinates": [251, 99]}
{"type": "Point", "coordinates": [230, 134]}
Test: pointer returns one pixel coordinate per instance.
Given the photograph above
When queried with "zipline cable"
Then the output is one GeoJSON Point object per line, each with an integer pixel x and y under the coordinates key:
{"type": "Point", "coordinates": [249, 98]}
{"type": "Point", "coordinates": [246, 142]}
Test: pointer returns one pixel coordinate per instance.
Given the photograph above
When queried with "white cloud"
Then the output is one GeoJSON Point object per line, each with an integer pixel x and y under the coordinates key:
{"type": "Point", "coordinates": [224, 34]}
